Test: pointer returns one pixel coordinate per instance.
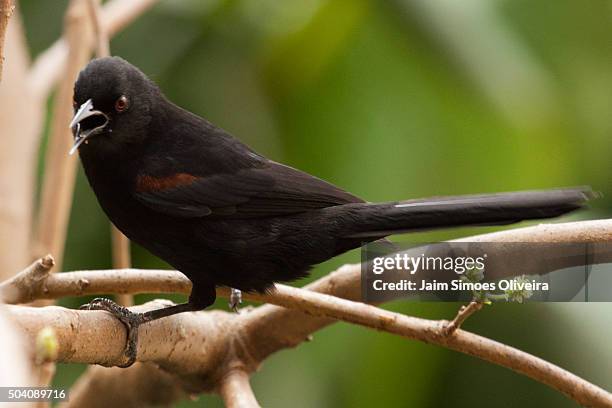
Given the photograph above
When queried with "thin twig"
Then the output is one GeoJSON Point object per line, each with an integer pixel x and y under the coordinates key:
{"type": "Point", "coordinates": [102, 43]}
{"type": "Point", "coordinates": [121, 281]}
{"type": "Point", "coordinates": [462, 315]}
{"type": "Point", "coordinates": [29, 283]}
{"type": "Point", "coordinates": [6, 10]}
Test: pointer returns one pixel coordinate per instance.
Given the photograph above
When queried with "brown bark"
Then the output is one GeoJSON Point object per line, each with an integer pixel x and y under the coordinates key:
{"type": "Point", "coordinates": [15, 363]}
{"type": "Point", "coordinates": [21, 113]}
{"type": "Point", "coordinates": [235, 390]}
{"type": "Point", "coordinates": [60, 168]}
{"type": "Point", "coordinates": [47, 69]}
{"type": "Point", "coordinates": [201, 349]}
{"type": "Point", "coordinates": [145, 385]}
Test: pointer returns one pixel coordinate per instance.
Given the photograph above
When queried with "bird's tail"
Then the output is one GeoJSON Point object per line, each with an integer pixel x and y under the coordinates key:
{"type": "Point", "coordinates": [367, 220]}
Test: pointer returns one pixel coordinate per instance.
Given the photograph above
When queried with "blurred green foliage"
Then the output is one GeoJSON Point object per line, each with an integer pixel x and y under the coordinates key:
{"type": "Point", "coordinates": [390, 100]}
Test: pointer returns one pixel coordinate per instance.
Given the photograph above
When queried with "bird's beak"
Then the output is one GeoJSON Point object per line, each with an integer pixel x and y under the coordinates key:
{"type": "Point", "coordinates": [81, 128]}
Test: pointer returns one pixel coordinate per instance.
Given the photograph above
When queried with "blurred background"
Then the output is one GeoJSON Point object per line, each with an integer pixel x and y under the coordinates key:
{"type": "Point", "coordinates": [390, 100]}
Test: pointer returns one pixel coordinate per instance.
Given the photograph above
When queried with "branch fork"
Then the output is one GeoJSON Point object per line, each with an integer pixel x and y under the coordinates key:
{"type": "Point", "coordinates": [462, 315]}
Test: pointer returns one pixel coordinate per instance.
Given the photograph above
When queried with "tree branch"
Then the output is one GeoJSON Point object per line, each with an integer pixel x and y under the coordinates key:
{"type": "Point", "coordinates": [21, 117]}
{"type": "Point", "coordinates": [102, 41]}
{"type": "Point", "coordinates": [135, 281]}
{"type": "Point", "coordinates": [15, 364]}
{"type": "Point", "coordinates": [6, 10]}
{"type": "Point", "coordinates": [236, 391]}
{"type": "Point", "coordinates": [195, 344]}
{"type": "Point", "coordinates": [60, 169]}
{"type": "Point", "coordinates": [142, 385]}
{"type": "Point", "coordinates": [121, 259]}
{"type": "Point", "coordinates": [29, 283]}
{"type": "Point", "coordinates": [48, 67]}
{"type": "Point", "coordinates": [462, 315]}
{"type": "Point", "coordinates": [267, 329]}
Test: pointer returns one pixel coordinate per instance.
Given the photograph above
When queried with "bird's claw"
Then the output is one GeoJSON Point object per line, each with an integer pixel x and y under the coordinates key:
{"type": "Point", "coordinates": [235, 300]}
{"type": "Point", "coordinates": [130, 320]}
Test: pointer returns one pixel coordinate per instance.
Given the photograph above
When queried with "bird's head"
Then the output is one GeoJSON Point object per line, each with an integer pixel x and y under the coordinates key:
{"type": "Point", "coordinates": [113, 101]}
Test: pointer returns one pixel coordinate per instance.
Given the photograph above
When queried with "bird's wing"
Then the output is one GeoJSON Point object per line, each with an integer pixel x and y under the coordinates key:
{"type": "Point", "coordinates": [269, 190]}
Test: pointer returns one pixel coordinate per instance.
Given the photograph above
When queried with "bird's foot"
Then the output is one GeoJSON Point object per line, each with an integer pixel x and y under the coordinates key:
{"type": "Point", "coordinates": [130, 320]}
{"type": "Point", "coordinates": [235, 299]}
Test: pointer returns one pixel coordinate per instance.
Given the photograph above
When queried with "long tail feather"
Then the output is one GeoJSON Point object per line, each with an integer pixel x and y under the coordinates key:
{"type": "Point", "coordinates": [381, 219]}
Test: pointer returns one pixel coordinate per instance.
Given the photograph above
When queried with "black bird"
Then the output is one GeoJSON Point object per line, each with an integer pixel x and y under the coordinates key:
{"type": "Point", "coordinates": [225, 215]}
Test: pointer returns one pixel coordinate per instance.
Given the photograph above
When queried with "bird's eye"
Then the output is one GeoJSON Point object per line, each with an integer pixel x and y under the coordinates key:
{"type": "Point", "coordinates": [121, 104]}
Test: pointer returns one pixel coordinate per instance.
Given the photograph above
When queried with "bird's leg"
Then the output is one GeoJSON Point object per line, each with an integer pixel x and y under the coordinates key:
{"type": "Point", "coordinates": [235, 299]}
{"type": "Point", "coordinates": [133, 320]}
